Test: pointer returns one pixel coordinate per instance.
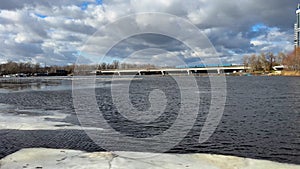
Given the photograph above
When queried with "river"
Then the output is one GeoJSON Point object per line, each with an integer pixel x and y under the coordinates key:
{"type": "Point", "coordinates": [261, 117]}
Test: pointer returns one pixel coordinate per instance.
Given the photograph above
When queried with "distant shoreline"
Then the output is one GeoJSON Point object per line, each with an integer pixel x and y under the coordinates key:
{"type": "Point", "coordinates": [276, 73]}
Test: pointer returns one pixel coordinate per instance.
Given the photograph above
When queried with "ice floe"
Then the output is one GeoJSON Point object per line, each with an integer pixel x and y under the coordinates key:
{"type": "Point", "coordinates": [34, 119]}
{"type": "Point", "coordinates": [59, 158]}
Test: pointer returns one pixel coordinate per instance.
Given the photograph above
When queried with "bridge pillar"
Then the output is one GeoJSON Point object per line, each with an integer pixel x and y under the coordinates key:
{"type": "Point", "coordinates": [119, 73]}
{"type": "Point", "coordinates": [189, 72]}
{"type": "Point", "coordinates": [140, 73]}
{"type": "Point", "coordinates": [162, 72]}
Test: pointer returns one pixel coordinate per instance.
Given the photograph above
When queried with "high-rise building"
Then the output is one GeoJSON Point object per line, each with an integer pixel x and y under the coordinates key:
{"type": "Point", "coordinates": [297, 28]}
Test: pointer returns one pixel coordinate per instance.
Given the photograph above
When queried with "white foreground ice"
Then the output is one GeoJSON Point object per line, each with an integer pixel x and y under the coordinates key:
{"type": "Point", "coordinates": [41, 158]}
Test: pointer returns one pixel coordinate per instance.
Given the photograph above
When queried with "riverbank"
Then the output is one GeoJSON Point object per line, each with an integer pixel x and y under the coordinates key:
{"type": "Point", "coordinates": [275, 73]}
{"type": "Point", "coordinates": [290, 73]}
{"type": "Point", "coordinates": [42, 158]}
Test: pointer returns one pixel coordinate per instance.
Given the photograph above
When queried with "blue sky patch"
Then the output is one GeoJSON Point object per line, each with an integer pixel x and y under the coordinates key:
{"type": "Point", "coordinates": [84, 5]}
{"type": "Point", "coordinates": [258, 27]}
{"type": "Point", "coordinates": [40, 15]}
{"type": "Point", "coordinates": [99, 2]}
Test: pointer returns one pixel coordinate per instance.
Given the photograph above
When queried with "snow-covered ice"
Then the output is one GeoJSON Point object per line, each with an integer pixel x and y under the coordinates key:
{"type": "Point", "coordinates": [70, 159]}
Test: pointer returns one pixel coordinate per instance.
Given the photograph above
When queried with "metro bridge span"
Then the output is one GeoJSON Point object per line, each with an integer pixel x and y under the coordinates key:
{"type": "Point", "coordinates": [166, 71]}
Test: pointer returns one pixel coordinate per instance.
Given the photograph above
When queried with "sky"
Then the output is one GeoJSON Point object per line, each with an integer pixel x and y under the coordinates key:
{"type": "Point", "coordinates": [59, 32]}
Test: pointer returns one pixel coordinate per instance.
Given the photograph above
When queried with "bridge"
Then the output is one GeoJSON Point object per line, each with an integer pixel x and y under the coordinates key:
{"type": "Point", "coordinates": [170, 71]}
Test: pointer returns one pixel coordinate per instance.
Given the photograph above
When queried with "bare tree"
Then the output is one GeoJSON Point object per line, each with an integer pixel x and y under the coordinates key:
{"type": "Point", "coordinates": [292, 60]}
{"type": "Point", "coordinates": [115, 64]}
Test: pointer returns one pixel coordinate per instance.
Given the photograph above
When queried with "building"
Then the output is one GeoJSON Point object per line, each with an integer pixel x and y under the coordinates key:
{"type": "Point", "coordinates": [297, 28]}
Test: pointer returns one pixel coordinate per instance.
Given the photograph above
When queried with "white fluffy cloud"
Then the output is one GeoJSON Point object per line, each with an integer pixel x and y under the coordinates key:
{"type": "Point", "coordinates": [273, 41]}
{"type": "Point", "coordinates": [53, 32]}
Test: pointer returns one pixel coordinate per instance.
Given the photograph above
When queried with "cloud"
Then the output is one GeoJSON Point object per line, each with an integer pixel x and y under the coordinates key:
{"type": "Point", "coordinates": [274, 40]}
{"type": "Point", "coordinates": [54, 31]}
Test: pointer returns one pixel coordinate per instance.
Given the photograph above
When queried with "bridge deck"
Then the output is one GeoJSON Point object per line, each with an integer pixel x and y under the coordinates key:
{"type": "Point", "coordinates": [170, 70]}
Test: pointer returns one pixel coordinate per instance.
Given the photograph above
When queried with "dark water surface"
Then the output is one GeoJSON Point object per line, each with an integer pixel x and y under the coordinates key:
{"type": "Point", "coordinates": [261, 117]}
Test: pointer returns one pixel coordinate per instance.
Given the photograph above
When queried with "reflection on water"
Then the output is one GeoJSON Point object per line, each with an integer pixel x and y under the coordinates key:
{"type": "Point", "coordinates": [47, 84]}
{"type": "Point", "coordinates": [32, 84]}
{"type": "Point", "coordinates": [7, 87]}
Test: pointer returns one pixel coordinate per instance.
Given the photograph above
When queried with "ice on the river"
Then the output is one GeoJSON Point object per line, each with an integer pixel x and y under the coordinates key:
{"type": "Point", "coordinates": [67, 159]}
{"type": "Point", "coordinates": [17, 119]}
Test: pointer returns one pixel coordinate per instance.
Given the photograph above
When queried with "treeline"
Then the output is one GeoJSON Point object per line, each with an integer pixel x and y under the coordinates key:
{"type": "Point", "coordinates": [117, 65]}
{"type": "Point", "coordinates": [264, 61]}
{"type": "Point", "coordinates": [32, 69]}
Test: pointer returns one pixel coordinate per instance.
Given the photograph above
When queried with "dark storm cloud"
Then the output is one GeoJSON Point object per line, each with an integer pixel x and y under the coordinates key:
{"type": "Point", "coordinates": [19, 4]}
{"type": "Point", "coordinates": [23, 49]}
{"type": "Point", "coordinates": [240, 15]}
{"type": "Point", "coordinates": [145, 41]}
{"type": "Point", "coordinates": [13, 4]}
